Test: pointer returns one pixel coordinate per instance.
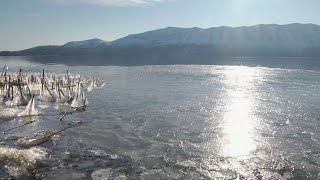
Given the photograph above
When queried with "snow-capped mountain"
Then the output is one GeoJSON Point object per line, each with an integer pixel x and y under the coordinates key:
{"type": "Point", "coordinates": [259, 36]}
{"type": "Point", "coordinates": [187, 45]}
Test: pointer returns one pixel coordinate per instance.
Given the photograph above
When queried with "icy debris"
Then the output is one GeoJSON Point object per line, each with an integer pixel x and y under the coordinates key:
{"type": "Point", "coordinates": [101, 174]}
{"type": "Point", "coordinates": [17, 161]}
{"type": "Point", "coordinates": [288, 122]}
{"type": "Point", "coordinates": [80, 100]}
{"type": "Point", "coordinates": [21, 155]}
{"type": "Point", "coordinates": [7, 114]}
{"type": "Point", "coordinates": [30, 110]}
{"type": "Point", "coordinates": [94, 86]}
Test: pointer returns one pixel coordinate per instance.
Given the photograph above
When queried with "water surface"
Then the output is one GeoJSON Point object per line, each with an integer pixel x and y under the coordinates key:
{"type": "Point", "coordinates": [191, 121]}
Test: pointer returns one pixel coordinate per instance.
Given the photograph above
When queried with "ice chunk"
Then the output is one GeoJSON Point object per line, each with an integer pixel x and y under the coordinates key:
{"type": "Point", "coordinates": [80, 99]}
{"type": "Point", "coordinates": [30, 110]}
{"type": "Point", "coordinates": [101, 174]}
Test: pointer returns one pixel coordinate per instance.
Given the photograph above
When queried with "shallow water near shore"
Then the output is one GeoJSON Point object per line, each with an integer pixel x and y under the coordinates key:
{"type": "Point", "coordinates": [176, 122]}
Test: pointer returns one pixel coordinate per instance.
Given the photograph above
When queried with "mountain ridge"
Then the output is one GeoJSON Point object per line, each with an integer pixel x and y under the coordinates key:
{"type": "Point", "coordinates": [300, 35]}
{"type": "Point", "coordinates": [179, 45]}
{"type": "Point", "coordinates": [86, 43]}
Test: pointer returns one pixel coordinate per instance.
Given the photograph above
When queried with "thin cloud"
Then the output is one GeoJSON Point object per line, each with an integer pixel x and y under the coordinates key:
{"type": "Point", "coordinates": [119, 3]}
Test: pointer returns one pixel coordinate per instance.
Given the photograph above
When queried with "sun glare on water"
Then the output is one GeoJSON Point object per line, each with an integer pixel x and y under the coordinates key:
{"type": "Point", "coordinates": [239, 119]}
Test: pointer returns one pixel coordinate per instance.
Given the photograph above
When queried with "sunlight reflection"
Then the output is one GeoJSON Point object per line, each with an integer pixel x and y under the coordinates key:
{"type": "Point", "coordinates": [239, 120]}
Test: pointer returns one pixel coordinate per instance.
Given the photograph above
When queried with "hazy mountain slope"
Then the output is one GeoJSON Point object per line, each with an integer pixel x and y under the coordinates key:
{"type": "Point", "coordinates": [190, 45]}
{"type": "Point", "coordinates": [259, 36]}
{"type": "Point", "coordinates": [87, 43]}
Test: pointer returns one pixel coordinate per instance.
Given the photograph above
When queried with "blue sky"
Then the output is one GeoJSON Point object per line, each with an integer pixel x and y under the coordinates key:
{"type": "Point", "coordinates": [29, 23]}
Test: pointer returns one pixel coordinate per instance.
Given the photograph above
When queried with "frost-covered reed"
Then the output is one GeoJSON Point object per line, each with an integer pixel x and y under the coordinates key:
{"type": "Point", "coordinates": [24, 89]}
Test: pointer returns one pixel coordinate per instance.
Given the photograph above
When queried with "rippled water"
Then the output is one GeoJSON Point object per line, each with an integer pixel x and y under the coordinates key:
{"type": "Point", "coordinates": [183, 122]}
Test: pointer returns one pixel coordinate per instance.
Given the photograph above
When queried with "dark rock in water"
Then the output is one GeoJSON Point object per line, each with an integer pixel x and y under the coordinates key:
{"type": "Point", "coordinates": [4, 174]}
{"type": "Point", "coordinates": [282, 170]}
{"type": "Point", "coordinates": [43, 163]}
{"type": "Point", "coordinates": [95, 164]}
{"type": "Point", "coordinates": [298, 174]}
{"type": "Point", "coordinates": [103, 163]}
{"type": "Point", "coordinates": [66, 175]}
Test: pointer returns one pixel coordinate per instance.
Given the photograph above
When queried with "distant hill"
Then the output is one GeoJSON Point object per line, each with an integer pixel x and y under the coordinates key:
{"type": "Point", "coordinates": [192, 45]}
{"type": "Point", "coordinates": [91, 43]}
